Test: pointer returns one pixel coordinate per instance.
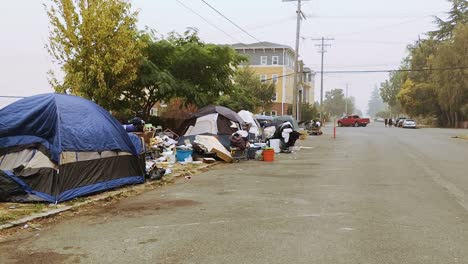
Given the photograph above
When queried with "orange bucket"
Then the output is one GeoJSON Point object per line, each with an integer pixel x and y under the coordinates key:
{"type": "Point", "coordinates": [268, 155]}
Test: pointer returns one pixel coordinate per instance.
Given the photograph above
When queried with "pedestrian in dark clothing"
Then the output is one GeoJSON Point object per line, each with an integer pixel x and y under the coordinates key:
{"type": "Point", "coordinates": [390, 122]}
{"type": "Point", "coordinates": [386, 121]}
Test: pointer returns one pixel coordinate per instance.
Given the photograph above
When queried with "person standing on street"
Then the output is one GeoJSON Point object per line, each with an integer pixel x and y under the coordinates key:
{"type": "Point", "coordinates": [390, 122]}
{"type": "Point", "coordinates": [386, 122]}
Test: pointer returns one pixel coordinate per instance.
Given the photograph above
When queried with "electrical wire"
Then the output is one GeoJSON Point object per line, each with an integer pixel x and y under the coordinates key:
{"type": "Point", "coordinates": [399, 70]}
{"type": "Point", "coordinates": [207, 21]}
{"type": "Point", "coordinates": [377, 71]}
{"type": "Point", "coordinates": [232, 22]}
{"type": "Point", "coordinates": [11, 97]}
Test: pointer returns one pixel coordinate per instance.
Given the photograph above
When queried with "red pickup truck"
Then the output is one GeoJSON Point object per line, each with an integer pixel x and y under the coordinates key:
{"type": "Point", "coordinates": [353, 120]}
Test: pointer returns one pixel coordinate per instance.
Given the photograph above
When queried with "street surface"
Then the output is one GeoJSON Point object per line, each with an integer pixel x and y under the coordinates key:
{"type": "Point", "coordinates": [373, 195]}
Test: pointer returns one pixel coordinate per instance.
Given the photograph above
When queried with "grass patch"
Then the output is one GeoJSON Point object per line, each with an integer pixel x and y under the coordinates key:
{"type": "Point", "coordinates": [6, 218]}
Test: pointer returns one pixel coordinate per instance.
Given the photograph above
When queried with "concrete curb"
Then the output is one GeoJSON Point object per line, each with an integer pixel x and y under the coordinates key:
{"type": "Point", "coordinates": [462, 137]}
{"type": "Point", "coordinates": [98, 197]}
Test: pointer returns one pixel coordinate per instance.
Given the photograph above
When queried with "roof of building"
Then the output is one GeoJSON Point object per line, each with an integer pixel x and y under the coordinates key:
{"type": "Point", "coordinates": [260, 45]}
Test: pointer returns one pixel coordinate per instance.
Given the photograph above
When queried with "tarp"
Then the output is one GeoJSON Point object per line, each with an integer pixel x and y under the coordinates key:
{"type": "Point", "coordinates": [248, 118]}
{"type": "Point", "coordinates": [224, 111]}
{"type": "Point", "coordinates": [55, 147]}
{"type": "Point", "coordinates": [57, 122]}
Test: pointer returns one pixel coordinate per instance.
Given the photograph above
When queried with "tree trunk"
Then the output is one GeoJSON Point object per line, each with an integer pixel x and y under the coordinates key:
{"type": "Point", "coordinates": [447, 115]}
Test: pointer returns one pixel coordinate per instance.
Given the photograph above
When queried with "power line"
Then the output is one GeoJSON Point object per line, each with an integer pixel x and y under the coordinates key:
{"type": "Point", "coordinates": [232, 22]}
{"type": "Point", "coordinates": [11, 97]}
{"type": "Point", "coordinates": [399, 70]}
{"type": "Point", "coordinates": [207, 21]}
{"type": "Point", "coordinates": [377, 71]}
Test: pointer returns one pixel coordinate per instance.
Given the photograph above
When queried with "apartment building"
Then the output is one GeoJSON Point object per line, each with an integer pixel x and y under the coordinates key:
{"type": "Point", "coordinates": [272, 62]}
{"type": "Point", "coordinates": [275, 62]}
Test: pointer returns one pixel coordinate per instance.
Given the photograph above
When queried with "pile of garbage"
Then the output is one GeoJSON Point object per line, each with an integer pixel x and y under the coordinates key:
{"type": "Point", "coordinates": [217, 133]}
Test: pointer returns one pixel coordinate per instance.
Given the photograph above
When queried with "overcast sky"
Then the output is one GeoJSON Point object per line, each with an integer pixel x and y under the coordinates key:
{"type": "Point", "coordinates": [369, 35]}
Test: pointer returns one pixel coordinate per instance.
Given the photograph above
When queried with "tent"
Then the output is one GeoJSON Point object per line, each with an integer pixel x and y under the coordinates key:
{"type": "Point", "coordinates": [215, 120]}
{"type": "Point", "coordinates": [56, 147]}
{"type": "Point", "coordinates": [279, 120]}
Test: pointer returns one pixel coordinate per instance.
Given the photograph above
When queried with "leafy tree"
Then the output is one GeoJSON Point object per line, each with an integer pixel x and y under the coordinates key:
{"type": "Point", "coordinates": [452, 86]}
{"type": "Point", "coordinates": [183, 67]}
{"type": "Point", "coordinates": [154, 82]}
{"type": "Point", "coordinates": [249, 93]}
{"type": "Point", "coordinates": [309, 111]}
{"type": "Point", "coordinates": [375, 103]}
{"type": "Point", "coordinates": [334, 103]}
{"type": "Point", "coordinates": [97, 46]}
{"type": "Point", "coordinates": [458, 15]}
{"type": "Point", "coordinates": [418, 99]}
{"type": "Point", "coordinates": [238, 99]}
{"type": "Point", "coordinates": [351, 106]}
{"type": "Point", "coordinates": [390, 89]}
{"type": "Point", "coordinates": [383, 114]}
{"type": "Point", "coordinates": [203, 71]}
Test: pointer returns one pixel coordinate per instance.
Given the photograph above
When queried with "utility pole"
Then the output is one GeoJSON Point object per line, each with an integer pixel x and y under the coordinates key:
{"type": "Point", "coordinates": [322, 50]}
{"type": "Point", "coordinates": [295, 102]}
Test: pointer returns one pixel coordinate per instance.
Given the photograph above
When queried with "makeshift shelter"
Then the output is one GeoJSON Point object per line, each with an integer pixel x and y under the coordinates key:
{"type": "Point", "coordinates": [279, 120]}
{"type": "Point", "coordinates": [215, 120]}
{"type": "Point", "coordinates": [56, 147]}
{"type": "Point", "coordinates": [248, 117]}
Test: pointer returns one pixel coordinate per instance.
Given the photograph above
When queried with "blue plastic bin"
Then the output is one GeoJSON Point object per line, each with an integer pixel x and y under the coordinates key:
{"type": "Point", "coordinates": [182, 154]}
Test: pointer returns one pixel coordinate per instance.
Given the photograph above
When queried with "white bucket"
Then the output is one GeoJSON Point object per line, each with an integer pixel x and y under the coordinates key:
{"type": "Point", "coordinates": [275, 145]}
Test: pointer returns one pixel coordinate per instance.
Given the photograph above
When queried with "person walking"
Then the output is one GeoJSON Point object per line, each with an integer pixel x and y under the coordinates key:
{"type": "Point", "coordinates": [386, 122]}
{"type": "Point", "coordinates": [390, 122]}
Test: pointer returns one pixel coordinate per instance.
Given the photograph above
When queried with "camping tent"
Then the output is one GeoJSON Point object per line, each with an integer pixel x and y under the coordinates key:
{"type": "Point", "coordinates": [217, 120]}
{"type": "Point", "coordinates": [56, 147]}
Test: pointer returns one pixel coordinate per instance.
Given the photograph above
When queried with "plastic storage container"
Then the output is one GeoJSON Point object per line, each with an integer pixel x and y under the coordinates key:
{"type": "Point", "coordinates": [183, 154]}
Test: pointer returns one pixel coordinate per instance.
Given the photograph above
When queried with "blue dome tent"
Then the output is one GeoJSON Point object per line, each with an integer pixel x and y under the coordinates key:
{"type": "Point", "coordinates": [55, 147]}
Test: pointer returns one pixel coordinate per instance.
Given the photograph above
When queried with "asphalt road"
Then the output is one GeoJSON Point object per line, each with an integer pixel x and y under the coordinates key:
{"type": "Point", "coordinates": [373, 195]}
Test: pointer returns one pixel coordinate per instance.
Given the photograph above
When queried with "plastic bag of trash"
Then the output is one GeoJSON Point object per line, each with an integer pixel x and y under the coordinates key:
{"type": "Point", "coordinates": [168, 141]}
{"type": "Point", "coordinates": [157, 174]}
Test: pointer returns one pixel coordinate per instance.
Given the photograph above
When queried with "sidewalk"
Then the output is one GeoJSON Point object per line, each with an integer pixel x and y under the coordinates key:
{"type": "Point", "coordinates": [20, 214]}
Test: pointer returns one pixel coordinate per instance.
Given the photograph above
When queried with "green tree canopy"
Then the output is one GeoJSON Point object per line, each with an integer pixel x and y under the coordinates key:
{"type": "Point", "coordinates": [249, 93]}
{"type": "Point", "coordinates": [334, 103]}
{"type": "Point", "coordinates": [203, 71]}
{"type": "Point", "coordinates": [458, 15]}
{"type": "Point", "coordinates": [97, 46]}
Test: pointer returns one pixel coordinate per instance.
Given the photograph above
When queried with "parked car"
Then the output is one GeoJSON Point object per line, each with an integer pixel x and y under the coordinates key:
{"type": "Point", "coordinates": [399, 121]}
{"type": "Point", "coordinates": [409, 123]}
{"type": "Point", "coordinates": [353, 120]}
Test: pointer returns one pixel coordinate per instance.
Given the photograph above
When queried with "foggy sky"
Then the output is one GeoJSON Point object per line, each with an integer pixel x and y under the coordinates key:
{"type": "Point", "coordinates": [369, 35]}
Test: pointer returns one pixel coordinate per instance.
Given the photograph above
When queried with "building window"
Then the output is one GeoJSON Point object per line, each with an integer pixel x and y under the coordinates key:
{"type": "Point", "coordinates": [275, 97]}
{"type": "Point", "coordinates": [263, 78]}
{"type": "Point", "coordinates": [263, 60]}
{"type": "Point", "coordinates": [274, 113]}
{"type": "Point", "coordinates": [274, 60]}
{"type": "Point", "coordinates": [274, 78]}
{"type": "Point", "coordinates": [154, 112]}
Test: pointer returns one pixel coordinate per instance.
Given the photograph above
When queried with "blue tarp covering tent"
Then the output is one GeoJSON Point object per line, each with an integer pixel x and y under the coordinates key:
{"type": "Point", "coordinates": [61, 146]}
